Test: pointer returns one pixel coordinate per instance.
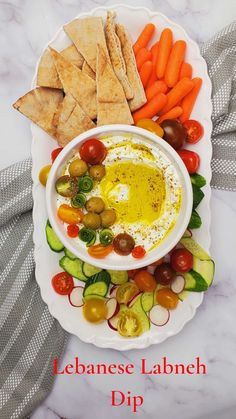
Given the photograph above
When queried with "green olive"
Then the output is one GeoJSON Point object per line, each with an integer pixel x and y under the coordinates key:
{"type": "Point", "coordinates": [97, 171]}
{"type": "Point", "coordinates": [78, 168]}
{"type": "Point", "coordinates": [95, 204]}
{"type": "Point", "coordinates": [108, 217]}
{"type": "Point", "coordinates": [91, 220]}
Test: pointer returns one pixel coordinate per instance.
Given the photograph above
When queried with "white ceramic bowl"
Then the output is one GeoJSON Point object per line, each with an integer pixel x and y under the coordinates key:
{"type": "Point", "coordinates": [114, 261]}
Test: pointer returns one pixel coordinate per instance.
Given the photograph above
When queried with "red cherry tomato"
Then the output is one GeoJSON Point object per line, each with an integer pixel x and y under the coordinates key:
{"type": "Point", "coordinates": [63, 283]}
{"type": "Point", "coordinates": [72, 230]}
{"type": "Point", "coordinates": [181, 260]}
{"type": "Point", "coordinates": [55, 153]}
{"type": "Point", "coordinates": [123, 244]}
{"type": "Point", "coordinates": [93, 151]}
{"type": "Point", "coordinates": [194, 131]}
{"type": "Point", "coordinates": [138, 252]}
{"type": "Point", "coordinates": [190, 159]}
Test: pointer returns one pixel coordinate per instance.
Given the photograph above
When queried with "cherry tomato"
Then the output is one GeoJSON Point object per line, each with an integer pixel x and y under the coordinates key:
{"type": "Point", "coordinates": [167, 298]}
{"type": "Point", "coordinates": [69, 215]}
{"type": "Point", "coordinates": [63, 283]}
{"type": "Point", "coordinates": [129, 324]}
{"type": "Point", "coordinates": [72, 230]}
{"type": "Point", "coordinates": [181, 260]}
{"type": "Point", "coordinates": [194, 131]}
{"type": "Point", "coordinates": [98, 251]}
{"type": "Point", "coordinates": [190, 159]}
{"type": "Point", "coordinates": [123, 244]}
{"type": "Point", "coordinates": [93, 151]}
{"type": "Point", "coordinates": [158, 262]}
{"type": "Point", "coordinates": [43, 174]}
{"type": "Point", "coordinates": [145, 281]}
{"type": "Point", "coordinates": [151, 126]}
{"type": "Point", "coordinates": [55, 153]}
{"type": "Point", "coordinates": [95, 310]}
{"type": "Point", "coordinates": [132, 272]}
{"type": "Point", "coordinates": [174, 133]}
{"type": "Point", "coordinates": [138, 252]}
{"type": "Point", "coordinates": [164, 274]}
{"type": "Point", "coordinates": [126, 292]}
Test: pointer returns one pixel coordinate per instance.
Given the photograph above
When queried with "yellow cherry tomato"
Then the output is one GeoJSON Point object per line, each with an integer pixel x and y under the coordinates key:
{"type": "Point", "coordinates": [128, 324]}
{"type": "Point", "coordinates": [43, 174]}
{"type": "Point", "coordinates": [95, 310]}
{"type": "Point", "coordinates": [151, 126]}
{"type": "Point", "coordinates": [167, 298]}
{"type": "Point", "coordinates": [126, 292]}
{"type": "Point", "coordinates": [69, 215]}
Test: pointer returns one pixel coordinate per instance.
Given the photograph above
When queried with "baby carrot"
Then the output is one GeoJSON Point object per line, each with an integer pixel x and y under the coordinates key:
{"type": "Point", "coordinates": [154, 52]}
{"type": "Point", "coordinates": [181, 89]}
{"type": "Point", "coordinates": [144, 37]}
{"type": "Point", "coordinates": [174, 63]}
{"type": "Point", "coordinates": [142, 55]}
{"type": "Point", "coordinates": [145, 72]}
{"type": "Point", "coordinates": [172, 114]}
{"type": "Point", "coordinates": [186, 70]}
{"type": "Point", "coordinates": [151, 108]}
{"type": "Point", "coordinates": [189, 100]}
{"type": "Point", "coordinates": [165, 45]}
{"type": "Point", "coordinates": [158, 86]}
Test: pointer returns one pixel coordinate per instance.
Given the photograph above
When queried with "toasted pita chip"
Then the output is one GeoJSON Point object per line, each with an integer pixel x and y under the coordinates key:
{"type": "Point", "coordinates": [87, 70]}
{"type": "Point", "coordinates": [117, 60]}
{"type": "Point", "coordinates": [40, 105]}
{"type": "Point", "coordinates": [86, 34]}
{"type": "Point", "coordinates": [139, 98]}
{"type": "Point", "coordinates": [79, 85]}
{"type": "Point", "coordinates": [73, 55]}
{"type": "Point", "coordinates": [70, 121]}
{"type": "Point", "coordinates": [111, 101]}
{"type": "Point", "coordinates": [47, 73]}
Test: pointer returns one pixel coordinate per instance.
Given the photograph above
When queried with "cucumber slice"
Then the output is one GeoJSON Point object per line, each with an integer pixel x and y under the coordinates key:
{"type": "Point", "coordinates": [194, 248]}
{"type": "Point", "coordinates": [98, 284]}
{"type": "Point", "coordinates": [73, 267]}
{"type": "Point", "coordinates": [69, 254]}
{"type": "Point", "coordinates": [118, 277]}
{"type": "Point", "coordinates": [183, 295]}
{"type": "Point", "coordinates": [147, 301]}
{"type": "Point", "coordinates": [206, 268]}
{"type": "Point", "coordinates": [90, 270]}
{"type": "Point", "coordinates": [142, 316]}
{"type": "Point", "coordinates": [195, 282]}
{"type": "Point", "coordinates": [53, 241]}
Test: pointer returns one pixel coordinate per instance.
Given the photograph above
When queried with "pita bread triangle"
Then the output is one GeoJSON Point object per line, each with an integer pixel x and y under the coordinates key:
{"type": "Point", "coordinates": [47, 75]}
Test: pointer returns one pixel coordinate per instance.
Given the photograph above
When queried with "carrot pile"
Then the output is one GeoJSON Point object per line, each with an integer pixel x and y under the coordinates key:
{"type": "Point", "coordinates": [166, 77]}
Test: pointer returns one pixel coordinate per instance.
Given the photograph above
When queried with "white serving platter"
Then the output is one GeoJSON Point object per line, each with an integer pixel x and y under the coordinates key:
{"type": "Point", "coordinates": [71, 318]}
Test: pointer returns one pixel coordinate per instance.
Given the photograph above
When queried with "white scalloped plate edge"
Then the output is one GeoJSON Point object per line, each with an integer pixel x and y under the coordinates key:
{"type": "Point", "coordinates": [195, 299]}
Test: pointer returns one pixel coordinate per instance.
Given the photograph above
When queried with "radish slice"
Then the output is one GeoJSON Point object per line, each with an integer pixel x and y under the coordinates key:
{"type": "Point", "coordinates": [112, 323]}
{"type": "Point", "coordinates": [76, 297]}
{"type": "Point", "coordinates": [177, 286]}
{"type": "Point", "coordinates": [113, 290]}
{"type": "Point", "coordinates": [159, 315]}
{"type": "Point", "coordinates": [133, 299]}
{"type": "Point", "coordinates": [113, 307]}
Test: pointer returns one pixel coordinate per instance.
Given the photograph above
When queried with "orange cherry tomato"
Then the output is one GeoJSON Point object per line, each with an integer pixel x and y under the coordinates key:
{"type": "Point", "coordinates": [158, 262]}
{"type": "Point", "coordinates": [145, 281]}
{"type": "Point", "coordinates": [98, 251]}
{"type": "Point", "coordinates": [151, 126]}
{"type": "Point", "coordinates": [167, 298]}
{"type": "Point", "coordinates": [69, 215]}
{"type": "Point", "coordinates": [43, 174]}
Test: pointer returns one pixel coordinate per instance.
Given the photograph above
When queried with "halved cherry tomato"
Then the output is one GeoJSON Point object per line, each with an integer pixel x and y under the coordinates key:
{"type": "Point", "coordinates": [126, 292]}
{"type": "Point", "coordinates": [194, 131]}
{"type": "Point", "coordinates": [151, 126]}
{"type": "Point", "coordinates": [43, 174]}
{"type": "Point", "coordinates": [93, 151]}
{"type": "Point", "coordinates": [62, 283]}
{"type": "Point", "coordinates": [72, 230]}
{"type": "Point", "coordinates": [167, 298]}
{"type": "Point", "coordinates": [145, 281]}
{"type": "Point", "coordinates": [138, 252]}
{"type": "Point", "coordinates": [98, 251]}
{"type": "Point", "coordinates": [158, 262]}
{"type": "Point", "coordinates": [69, 215]}
{"type": "Point", "coordinates": [55, 153]}
{"type": "Point", "coordinates": [190, 159]}
{"type": "Point", "coordinates": [95, 310]}
{"type": "Point", "coordinates": [181, 260]}
{"type": "Point", "coordinates": [129, 324]}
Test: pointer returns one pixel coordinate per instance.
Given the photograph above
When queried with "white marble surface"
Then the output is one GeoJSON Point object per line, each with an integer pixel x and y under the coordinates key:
{"type": "Point", "coordinates": [26, 26]}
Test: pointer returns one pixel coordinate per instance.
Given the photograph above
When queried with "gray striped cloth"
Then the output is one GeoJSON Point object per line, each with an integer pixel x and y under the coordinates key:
{"type": "Point", "coordinates": [30, 337]}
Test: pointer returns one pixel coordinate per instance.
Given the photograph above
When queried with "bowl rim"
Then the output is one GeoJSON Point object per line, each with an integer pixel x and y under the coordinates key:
{"type": "Point", "coordinates": [101, 263]}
